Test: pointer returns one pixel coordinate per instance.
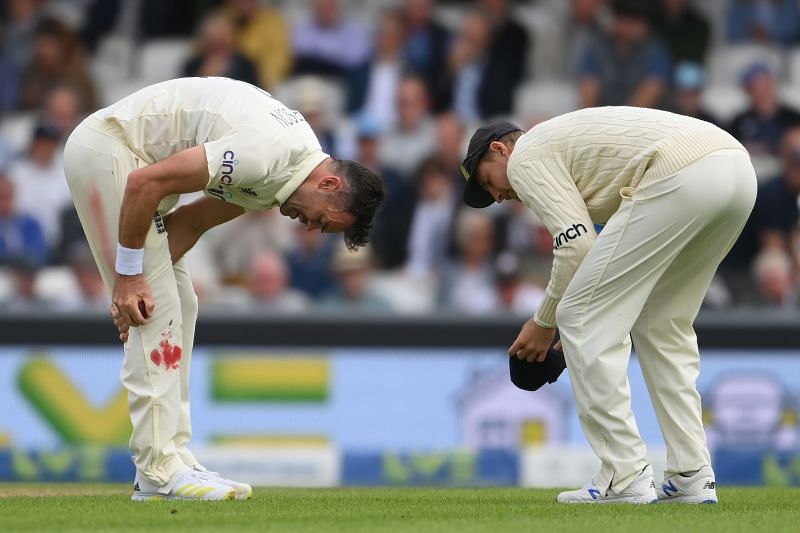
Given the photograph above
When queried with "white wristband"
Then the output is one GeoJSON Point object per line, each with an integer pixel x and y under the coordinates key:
{"type": "Point", "coordinates": [129, 260]}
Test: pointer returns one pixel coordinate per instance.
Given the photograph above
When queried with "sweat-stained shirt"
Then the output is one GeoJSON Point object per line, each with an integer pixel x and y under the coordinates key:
{"type": "Point", "coordinates": [570, 171]}
{"type": "Point", "coordinates": [258, 150]}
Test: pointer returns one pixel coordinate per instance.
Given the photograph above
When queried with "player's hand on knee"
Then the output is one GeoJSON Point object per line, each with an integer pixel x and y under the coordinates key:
{"type": "Point", "coordinates": [133, 300]}
{"type": "Point", "coordinates": [532, 342]}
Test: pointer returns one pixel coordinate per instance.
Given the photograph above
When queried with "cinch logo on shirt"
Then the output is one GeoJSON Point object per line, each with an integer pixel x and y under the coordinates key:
{"type": "Point", "coordinates": [228, 162]}
{"type": "Point", "coordinates": [569, 234]}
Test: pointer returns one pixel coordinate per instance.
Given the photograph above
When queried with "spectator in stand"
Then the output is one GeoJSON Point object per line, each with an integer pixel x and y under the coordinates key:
{"type": "Point", "coordinates": [509, 46]}
{"type": "Point", "coordinates": [627, 66]}
{"type": "Point", "coordinates": [263, 37]}
{"type": "Point", "coordinates": [140, 20]}
{"type": "Point", "coordinates": [586, 20]}
{"type": "Point", "coordinates": [426, 42]}
{"type": "Point", "coordinates": [685, 32]}
{"type": "Point", "coordinates": [72, 235]}
{"type": "Point", "coordinates": [21, 237]}
{"type": "Point", "coordinates": [432, 219]}
{"type": "Point", "coordinates": [777, 288]}
{"type": "Point", "coordinates": [57, 60]}
{"type": "Point", "coordinates": [764, 21]}
{"type": "Point", "coordinates": [16, 46]}
{"type": "Point", "coordinates": [234, 245]}
{"type": "Point", "coordinates": [22, 249]}
{"type": "Point", "coordinates": [522, 232]}
{"type": "Point", "coordinates": [352, 292]}
{"type": "Point", "coordinates": [21, 20]}
{"type": "Point", "coordinates": [216, 53]}
{"type": "Point", "coordinates": [63, 110]}
{"type": "Point", "coordinates": [308, 96]}
{"type": "Point", "coordinates": [393, 220]}
{"type": "Point", "coordinates": [462, 81]}
{"type": "Point", "coordinates": [776, 215]}
{"type": "Point", "coordinates": [309, 262]}
{"type": "Point", "coordinates": [687, 87]}
{"type": "Point", "coordinates": [412, 139]}
{"type": "Point", "coordinates": [450, 144]}
{"type": "Point", "coordinates": [41, 187]}
{"type": "Point", "coordinates": [468, 285]}
{"type": "Point", "coordinates": [761, 126]}
{"type": "Point", "coordinates": [329, 43]}
{"type": "Point", "coordinates": [515, 295]}
{"type": "Point", "coordinates": [371, 89]}
{"type": "Point", "coordinates": [268, 286]}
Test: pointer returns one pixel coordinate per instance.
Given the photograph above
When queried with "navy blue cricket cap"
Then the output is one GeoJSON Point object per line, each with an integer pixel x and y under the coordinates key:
{"type": "Point", "coordinates": [474, 194]}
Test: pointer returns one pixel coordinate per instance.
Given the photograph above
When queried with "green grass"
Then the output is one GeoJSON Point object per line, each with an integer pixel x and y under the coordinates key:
{"type": "Point", "coordinates": [66, 508]}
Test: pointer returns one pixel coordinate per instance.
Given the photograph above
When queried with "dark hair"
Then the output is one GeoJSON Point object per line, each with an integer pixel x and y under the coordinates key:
{"type": "Point", "coordinates": [364, 194]}
{"type": "Point", "coordinates": [509, 139]}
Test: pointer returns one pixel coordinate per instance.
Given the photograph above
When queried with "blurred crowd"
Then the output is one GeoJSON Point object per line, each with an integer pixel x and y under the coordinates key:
{"type": "Point", "coordinates": [399, 85]}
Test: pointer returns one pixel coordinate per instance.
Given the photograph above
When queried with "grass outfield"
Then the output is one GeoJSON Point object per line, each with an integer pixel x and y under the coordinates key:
{"type": "Point", "coordinates": [65, 508]}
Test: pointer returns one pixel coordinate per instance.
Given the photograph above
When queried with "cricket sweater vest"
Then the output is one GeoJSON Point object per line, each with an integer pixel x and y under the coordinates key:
{"type": "Point", "coordinates": [574, 170]}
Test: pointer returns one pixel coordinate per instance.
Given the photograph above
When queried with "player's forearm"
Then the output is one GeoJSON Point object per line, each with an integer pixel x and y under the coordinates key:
{"type": "Point", "coordinates": [139, 205]}
{"type": "Point", "coordinates": [188, 223]}
{"type": "Point", "coordinates": [183, 172]}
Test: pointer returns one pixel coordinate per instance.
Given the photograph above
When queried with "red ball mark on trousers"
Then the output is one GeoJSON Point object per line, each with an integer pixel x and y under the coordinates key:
{"type": "Point", "coordinates": [172, 354]}
{"type": "Point", "coordinates": [155, 357]}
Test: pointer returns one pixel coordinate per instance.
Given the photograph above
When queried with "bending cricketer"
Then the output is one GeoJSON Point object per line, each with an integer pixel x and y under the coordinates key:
{"type": "Point", "coordinates": [126, 166]}
{"type": "Point", "coordinates": [673, 193]}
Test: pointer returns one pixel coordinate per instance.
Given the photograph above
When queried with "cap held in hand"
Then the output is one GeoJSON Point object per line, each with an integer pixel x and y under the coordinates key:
{"type": "Point", "coordinates": [531, 376]}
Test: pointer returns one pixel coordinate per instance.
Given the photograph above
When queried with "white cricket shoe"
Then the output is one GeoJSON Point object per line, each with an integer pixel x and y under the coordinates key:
{"type": "Point", "coordinates": [700, 487]}
{"type": "Point", "coordinates": [190, 486]}
{"type": "Point", "coordinates": [641, 490]}
{"type": "Point", "coordinates": [243, 490]}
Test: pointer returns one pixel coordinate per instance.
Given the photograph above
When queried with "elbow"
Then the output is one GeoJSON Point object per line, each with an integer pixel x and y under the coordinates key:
{"type": "Point", "coordinates": [140, 186]}
{"type": "Point", "coordinates": [137, 183]}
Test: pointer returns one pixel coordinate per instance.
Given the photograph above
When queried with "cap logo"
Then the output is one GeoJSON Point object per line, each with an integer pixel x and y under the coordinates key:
{"type": "Point", "coordinates": [465, 172]}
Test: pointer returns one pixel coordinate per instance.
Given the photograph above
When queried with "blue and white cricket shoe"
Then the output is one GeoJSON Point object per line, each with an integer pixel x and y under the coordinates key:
{"type": "Point", "coordinates": [700, 487]}
{"type": "Point", "coordinates": [641, 490]}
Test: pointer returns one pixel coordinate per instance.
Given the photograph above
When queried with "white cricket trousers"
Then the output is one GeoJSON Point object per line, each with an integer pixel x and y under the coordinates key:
{"type": "Point", "coordinates": [644, 279]}
{"type": "Point", "coordinates": [155, 370]}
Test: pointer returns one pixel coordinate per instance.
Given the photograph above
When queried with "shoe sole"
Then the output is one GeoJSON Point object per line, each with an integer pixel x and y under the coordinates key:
{"type": "Point", "coordinates": [689, 500]}
{"type": "Point", "coordinates": [611, 502]}
{"type": "Point", "coordinates": [159, 497]}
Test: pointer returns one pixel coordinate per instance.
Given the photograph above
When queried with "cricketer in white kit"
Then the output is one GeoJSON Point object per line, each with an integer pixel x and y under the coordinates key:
{"type": "Point", "coordinates": [127, 166]}
{"type": "Point", "coordinates": [673, 194]}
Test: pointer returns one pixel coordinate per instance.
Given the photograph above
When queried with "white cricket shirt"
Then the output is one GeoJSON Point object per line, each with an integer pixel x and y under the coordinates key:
{"type": "Point", "coordinates": [571, 171]}
{"type": "Point", "coordinates": [258, 150]}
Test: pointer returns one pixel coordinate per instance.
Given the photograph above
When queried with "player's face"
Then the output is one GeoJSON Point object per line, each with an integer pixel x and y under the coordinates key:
{"type": "Point", "coordinates": [319, 211]}
{"type": "Point", "coordinates": [492, 173]}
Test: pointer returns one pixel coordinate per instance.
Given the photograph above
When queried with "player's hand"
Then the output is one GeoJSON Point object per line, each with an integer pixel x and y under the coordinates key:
{"type": "Point", "coordinates": [133, 300]}
{"type": "Point", "coordinates": [532, 342]}
{"type": "Point", "coordinates": [122, 326]}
